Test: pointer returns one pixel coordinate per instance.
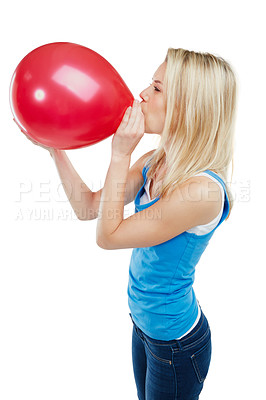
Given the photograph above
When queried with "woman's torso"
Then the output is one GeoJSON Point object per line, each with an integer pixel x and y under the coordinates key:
{"type": "Point", "coordinates": [160, 293]}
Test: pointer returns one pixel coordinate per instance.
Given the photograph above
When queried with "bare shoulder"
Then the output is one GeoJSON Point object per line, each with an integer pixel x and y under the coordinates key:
{"type": "Point", "coordinates": [203, 193]}
{"type": "Point", "coordinates": [205, 187]}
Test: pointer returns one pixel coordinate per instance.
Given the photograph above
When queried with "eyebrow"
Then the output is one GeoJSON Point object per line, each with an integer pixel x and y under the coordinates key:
{"type": "Point", "coordinates": [157, 81]}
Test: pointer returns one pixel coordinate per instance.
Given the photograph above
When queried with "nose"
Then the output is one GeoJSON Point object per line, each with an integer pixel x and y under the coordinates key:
{"type": "Point", "coordinates": [144, 96]}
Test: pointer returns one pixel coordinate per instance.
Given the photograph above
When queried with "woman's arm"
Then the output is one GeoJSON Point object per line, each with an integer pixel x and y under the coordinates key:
{"type": "Point", "coordinates": [78, 193]}
{"type": "Point", "coordinates": [195, 202]}
{"type": "Point", "coordinates": [111, 208]}
{"type": "Point", "coordinates": [86, 203]}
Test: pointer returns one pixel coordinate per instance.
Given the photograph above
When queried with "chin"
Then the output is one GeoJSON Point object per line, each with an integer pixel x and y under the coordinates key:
{"type": "Point", "coordinates": [147, 129]}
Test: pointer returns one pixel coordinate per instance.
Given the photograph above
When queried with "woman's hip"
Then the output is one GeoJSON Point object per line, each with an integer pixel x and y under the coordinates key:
{"type": "Point", "coordinates": [193, 344]}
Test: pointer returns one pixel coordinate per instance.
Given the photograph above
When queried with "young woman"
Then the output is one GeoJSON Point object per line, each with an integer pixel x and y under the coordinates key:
{"type": "Point", "coordinates": [181, 197]}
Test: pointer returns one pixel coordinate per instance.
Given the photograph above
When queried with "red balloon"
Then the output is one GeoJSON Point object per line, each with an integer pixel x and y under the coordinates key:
{"type": "Point", "coordinates": [67, 96]}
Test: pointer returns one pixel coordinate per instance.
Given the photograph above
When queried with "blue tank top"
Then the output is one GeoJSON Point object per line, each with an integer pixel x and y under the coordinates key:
{"type": "Point", "coordinates": [160, 293]}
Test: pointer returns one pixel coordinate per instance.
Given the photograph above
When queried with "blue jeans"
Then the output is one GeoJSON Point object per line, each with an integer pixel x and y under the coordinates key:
{"type": "Point", "coordinates": [174, 369]}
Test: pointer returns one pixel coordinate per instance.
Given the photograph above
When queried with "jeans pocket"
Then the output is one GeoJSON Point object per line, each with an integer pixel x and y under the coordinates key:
{"type": "Point", "coordinates": [159, 352]}
{"type": "Point", "coordinates": [201, 361]}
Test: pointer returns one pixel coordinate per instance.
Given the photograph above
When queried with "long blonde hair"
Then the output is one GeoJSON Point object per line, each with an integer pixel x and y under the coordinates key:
{"type": "Point", "coordinates": [200, 101]}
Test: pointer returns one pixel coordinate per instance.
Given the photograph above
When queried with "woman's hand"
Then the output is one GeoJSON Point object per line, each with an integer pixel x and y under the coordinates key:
{"type": "Point", "coordinates": [50, 149]}
{"type": "Point", "coordinates": [129, 132]}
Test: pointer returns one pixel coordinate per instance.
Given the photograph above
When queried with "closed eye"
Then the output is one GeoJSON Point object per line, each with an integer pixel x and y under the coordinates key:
{"type": "Point", "coordinates": [155, 88]}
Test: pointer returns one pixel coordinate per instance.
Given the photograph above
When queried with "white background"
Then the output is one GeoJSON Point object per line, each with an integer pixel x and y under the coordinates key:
{"type": "Point", "coordinates": [65, 329]}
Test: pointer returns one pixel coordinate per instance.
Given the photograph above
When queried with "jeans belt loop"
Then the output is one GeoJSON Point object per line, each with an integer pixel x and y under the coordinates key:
{"type": "Point", "coordinates": [177, 346]}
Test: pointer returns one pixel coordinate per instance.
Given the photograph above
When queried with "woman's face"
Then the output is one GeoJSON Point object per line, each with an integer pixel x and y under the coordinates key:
{"type": "Point", "coordinates": [153, 104]}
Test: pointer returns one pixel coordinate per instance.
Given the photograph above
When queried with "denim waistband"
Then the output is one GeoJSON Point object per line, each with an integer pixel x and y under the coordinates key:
{"type": "Point", "coordinates": [199, 332]}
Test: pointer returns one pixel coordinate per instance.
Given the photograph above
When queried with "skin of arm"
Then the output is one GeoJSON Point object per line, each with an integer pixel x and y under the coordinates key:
{"type": "Point", "coordinates": [82, 199]}
{"type": "Point", "coordinates": [78, 193]}
{"type": "Point", "coordinates": [111, 207]}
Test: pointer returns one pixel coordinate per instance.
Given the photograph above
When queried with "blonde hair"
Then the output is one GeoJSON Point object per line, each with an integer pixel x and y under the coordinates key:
{"type": "Point", "coordinates": [200, 101]}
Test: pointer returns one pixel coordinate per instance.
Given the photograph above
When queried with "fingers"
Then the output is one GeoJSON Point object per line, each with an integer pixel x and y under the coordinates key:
{"type": "Point", "coordinates": [142, 123]}
{"type": "Point", "coordinates": [136, 118]}
{"type": "Point", "coordinates": [132, 119]}
{"type": "Point", "coordinates": [134, 113]}
{"type": "Point", "coordinates": [125, 120]}
{"type": "Point", "coordinates": [140, 120]}
{"type": "Point", "coordinates": [126, 115]}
